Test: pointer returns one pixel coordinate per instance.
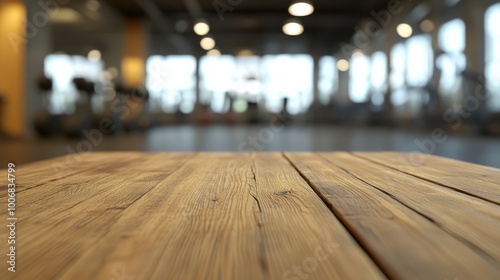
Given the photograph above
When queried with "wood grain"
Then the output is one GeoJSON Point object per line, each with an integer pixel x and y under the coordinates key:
{"type": "Point", "coordinates": [479, 181]}
{"type": "Point", "coordinates": [473, 220]}
{"type": "Point", "coordinates": [228, 217]}
{"type": "Point", "coordinates": [38, 173]}
{"type": "Point", "coordinates": [60, 219]}
{"type": "Point", "coordinates": [135, 215]}
{"type": "Point", "coordinates": [401, 240]}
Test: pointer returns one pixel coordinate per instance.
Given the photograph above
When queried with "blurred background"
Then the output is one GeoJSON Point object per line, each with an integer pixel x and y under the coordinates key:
{"type": "Point", "coordinates": [242, 75]}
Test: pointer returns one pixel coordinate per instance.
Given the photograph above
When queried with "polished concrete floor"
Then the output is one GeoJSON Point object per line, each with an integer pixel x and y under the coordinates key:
{"type": "Point", "coordinates": [481, 150]}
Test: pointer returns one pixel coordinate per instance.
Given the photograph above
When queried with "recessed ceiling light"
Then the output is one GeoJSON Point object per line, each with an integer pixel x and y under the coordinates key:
{"type": "Point", "coordinates": [201, 28]}
{"type": "Point", "coordinates": [207, 43]}
{"type": "Point", "coordinates": [245, 52]}
{"type": "Point", "coordinates": [427, 25]}
{"type": "Point", "coordinates": [301, 8]}
{"type": "Point", "coordinates": [293, 27]}
{"type": "Point", "coordinates": [213, 52]}
{"type": "Point", "coordinates": [94, 55]}
{"type": "Point", "coordinates": [93, 5]}
{"type": "Point", "coordinates": [404, 30]}
{"type": "Point", "coordinates": [357, 53]}
{"type": "Point", "coordinates": [65, 15]}
{"type": "Point", "coordinates": [343, 65]}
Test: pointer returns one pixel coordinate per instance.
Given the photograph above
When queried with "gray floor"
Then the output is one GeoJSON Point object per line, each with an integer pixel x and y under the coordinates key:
{"type": "Point", "coordinates": [481, 150]}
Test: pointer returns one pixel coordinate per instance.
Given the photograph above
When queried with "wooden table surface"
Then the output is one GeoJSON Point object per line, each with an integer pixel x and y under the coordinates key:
{"type": "Point", "coordinates": [131, 215]}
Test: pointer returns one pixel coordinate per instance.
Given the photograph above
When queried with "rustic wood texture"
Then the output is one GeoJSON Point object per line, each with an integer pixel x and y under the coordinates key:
{"type": "Point", "coordinates": [401, 240]}
{"type": "Point", "coordinates": [473, 179]}
{"type": "Point", "coordinates": [134, 215]}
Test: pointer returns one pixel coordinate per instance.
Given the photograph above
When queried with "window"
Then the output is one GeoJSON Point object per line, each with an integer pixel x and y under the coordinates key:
{"type": "Point", "coordinates": [420, 61]}
{"type": "Point", "coordinates": [328, 79]}
{"type": "Point", "coordinates": [452, 61]}
{"type": "Point", "coordinates": [216, 81]}
{"type": "Point", "coordinates": [397, 80]}
{"type": "Point", "coordinates": [288, 76]}
{"type": "Point", "coordinates": [247, 84]}
{"type": "Point", "coordinates": [359, 74]}
{"type": "Point", "coordinates": [378, 78]}
{"type": "Point", "coordinates": [62, 69]}
{"type": "Point", "coordinates": [492, 20]}
{"type": "Point", "coordinates": [171, 81]}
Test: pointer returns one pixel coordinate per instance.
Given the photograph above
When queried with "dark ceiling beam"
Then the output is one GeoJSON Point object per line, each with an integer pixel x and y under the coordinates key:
{"type": "Point", "coordinates": [337, 12]}
{"type": "Point", "coordinates": [160, 22]}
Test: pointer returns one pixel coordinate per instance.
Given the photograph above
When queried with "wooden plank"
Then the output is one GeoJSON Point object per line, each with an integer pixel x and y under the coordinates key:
{"type": "Point", "coordinates": [479, 181]}
{"type": "Point", "coordinates": [226, 216]}
{"type": "Point", "coordinates": [60, 219]}
{"type": "Point", "coordinates": [472, 220]}
{"type": "Point", "coordinates": [405, 244]}
{"type": "Point", "coordinates": [98, 181]}
{"type": "Point", "coordinates": [36, 174]}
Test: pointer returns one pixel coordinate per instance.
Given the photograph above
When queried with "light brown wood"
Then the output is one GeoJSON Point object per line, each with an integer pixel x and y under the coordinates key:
{"type": "Point", "coordinates": [226, 217]}
{"type": "Point", "coordinates": [38, 173]}
{"type": "Point", "coordinates": [62, 218]}
{"type": "Point", "coordinates": [401, 240]}
{"type": "Point", "coordinates": [473, 179]}
{"type": "Point", "coordinates": [473, 220]}
{"type": "Point", "coordinates": [138, 216]}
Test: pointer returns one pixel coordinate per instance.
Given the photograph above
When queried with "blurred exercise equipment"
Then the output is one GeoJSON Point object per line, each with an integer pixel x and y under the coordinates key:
{"type": "Point", "coordinates": [45, 122]}
{"type": "Point", "coordinates": [80, 120]}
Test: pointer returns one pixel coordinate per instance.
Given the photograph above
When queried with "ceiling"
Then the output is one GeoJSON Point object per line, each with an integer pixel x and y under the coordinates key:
{"type": "Point", "coordinates": [132, 8]}
{"type": "Point", "coordinates": [245, 24]}
{"type": "Point", "coordinates": [252, 15]}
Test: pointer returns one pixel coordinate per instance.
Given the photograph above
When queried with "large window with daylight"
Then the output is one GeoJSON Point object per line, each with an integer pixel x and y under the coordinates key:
{"type": "Point", "coordinates": [328, 79]}
{"type": "Point", "coordinates": [171, 81]}
{"type": "Point", "coordinates": [247, 78]}
{"type": "Point", "coordinates": [420, 61]}
{"type": "Point", "coordinates": [492, 21]}
{"type": "Point", "coordinates": [216, 81]}
{"type": "Point", "coordinates": [399, 95]}
{"type": "Point", "coordinates": [62, 69]}
{"type": "Point", "coordinates": [290, 77]}
{"type": "Point", "coordinates": [378, 77]}
{"type": "Point", "coordinates": [451, 62]}
{"type": "Point", "coordinates": [359, 75]}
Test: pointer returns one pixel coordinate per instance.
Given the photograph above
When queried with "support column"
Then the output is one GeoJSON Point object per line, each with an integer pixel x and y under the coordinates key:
{"type": "Point", "coordinates": [473, 16]}
{"type": "Point", "coordinates": [12, 72]}
{"type": "Point", "coordinates": [133, 63]}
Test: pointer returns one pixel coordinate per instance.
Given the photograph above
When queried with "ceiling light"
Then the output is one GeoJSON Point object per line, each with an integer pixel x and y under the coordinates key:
{"type": "Point", "coordinates": [245, 52]}
{"type": "Point", "coordinates": [357, 53]}
{"type": "Point", "coordinates": [65, 15]}
{"type": "Point", "coordinates": [427, 25]}
{"type": "Point", "coordinates": [213, 52]}
{"type": "Point", "coordinates": [343, 65]}
{"type": "Point", "coordinates": [404, 30]}
{"type": "Point", "coordinates": [94, 55]}
{"type": "Point", "coordinates": [201, 27]}
{"type": "Point", "coordinates": [301, 8]}
{"type": "Point", "coordinates": [207, 43]}
{"type": "Point", "coordinates": [293, 27]}
{"type": "Point", "coordinates": [93, 5]}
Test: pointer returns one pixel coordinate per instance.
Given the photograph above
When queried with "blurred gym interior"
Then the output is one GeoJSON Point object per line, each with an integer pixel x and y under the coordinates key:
{"type": "Point", "coordinates": [241, 75]}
